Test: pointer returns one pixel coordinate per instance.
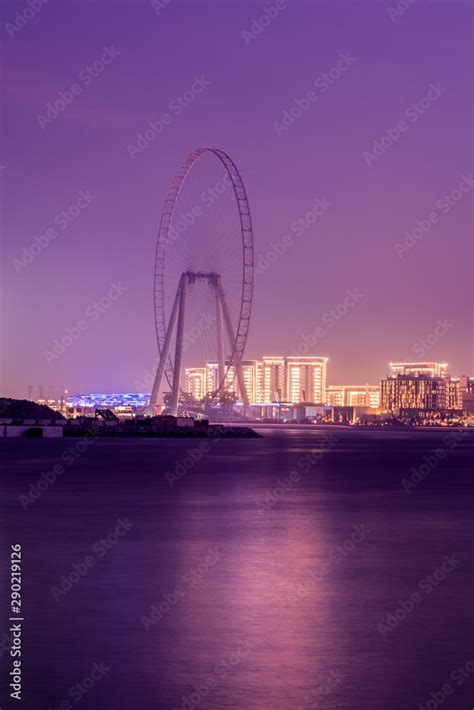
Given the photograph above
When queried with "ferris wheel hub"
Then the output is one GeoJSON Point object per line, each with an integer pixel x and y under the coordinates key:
{"type": "Point", "coordinates": [210, 277]}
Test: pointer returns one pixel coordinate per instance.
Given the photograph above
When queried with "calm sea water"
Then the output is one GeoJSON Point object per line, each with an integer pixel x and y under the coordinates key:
{"type": "Point", "coordinates": [291, 571]}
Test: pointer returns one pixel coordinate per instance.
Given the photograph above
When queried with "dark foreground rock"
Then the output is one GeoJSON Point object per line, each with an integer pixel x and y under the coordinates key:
{"type": "Point", "coordinates": [24, 409]}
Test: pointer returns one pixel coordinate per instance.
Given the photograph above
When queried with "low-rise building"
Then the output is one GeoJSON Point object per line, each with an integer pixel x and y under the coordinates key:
{"type": "Point", "coordinates": [354, 395]}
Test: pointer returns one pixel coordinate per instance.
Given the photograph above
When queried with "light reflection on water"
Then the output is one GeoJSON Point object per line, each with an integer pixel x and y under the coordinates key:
{"type": "Point", "coordinates": [275, 616]}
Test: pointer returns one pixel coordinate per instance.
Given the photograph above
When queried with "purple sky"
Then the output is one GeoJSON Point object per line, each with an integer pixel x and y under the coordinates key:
{"type": "Point", "coordinates": [406, 294]}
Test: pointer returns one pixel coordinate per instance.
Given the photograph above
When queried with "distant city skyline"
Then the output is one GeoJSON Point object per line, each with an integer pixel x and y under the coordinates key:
{"type": "Point", "coordinates": [293, 389]}
{"type": "Point", "coordinates": [202, 380]}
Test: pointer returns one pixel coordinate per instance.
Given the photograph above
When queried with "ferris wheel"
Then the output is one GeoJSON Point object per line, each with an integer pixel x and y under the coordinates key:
{"type": "Point", "coordinates": [204, 276]}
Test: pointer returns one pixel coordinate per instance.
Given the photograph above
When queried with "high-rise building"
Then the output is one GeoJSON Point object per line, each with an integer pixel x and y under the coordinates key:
{"type": "Point", "coordinates": [202, 381]}
{"type": "Point", "coordinates": [414, 392]}
{"type": "Point", "coordinates": [270, 379]}
{"type": "Point", "coordinates": [461, 393]}
{"type": "Point", "coordinates": [353, 395]}
{"type": "Point", "coordinates": [306, 379]}
{"type": "Point", "coordinates": [422, 386]}
{"type": "Point", "coordinates": [290, 379]}
{"type": "Point", "coordinates": [195, 382]}
{"type": "Point", "coordinates": [466, 391]}
{"type": "Point", "coordinates": [249, 372]}
{"type": "Point", "coordinates": [232, 382]}
{"type": "Point", "coordinates": [467, 384]}
{"type": "Point", "coordinates": [212, 377]}
{"type": "Point", "coordinates": [455, 395]}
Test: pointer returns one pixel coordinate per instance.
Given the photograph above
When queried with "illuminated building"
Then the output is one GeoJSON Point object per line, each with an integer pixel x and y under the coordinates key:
{"type": "Point", "coordinates": [466, 388]}
{"type": "Point", "coordinates": [420, 386]}
{"type": "Point", "coordinates": [353, 395]}
{"type": "Point", "coordinates": [414, 392]}
{"type": "Point", "coordinates": [461, 393]}
{"type": "Point", "coordinates": [125, 411]}
{"type": "Point", "coordinates": [195, 382]}
{"type": "Point", "coordinates": [249, 371]}
{"type": "Point", "coordinates": [273, 379]}
{"type": "Point", "coordinates": [212, 379]}
{"type": "Point", "coordinates": [306, 379]}
{"type": "Point", "coordinates": [455, 395]}
{"type": "Point", "coordinates": [290, 379]}
{"type": "Point", "coordinates": [467, 384]}
{"type": "Point", "coordinates": [125, 405]}
{"type": "Point", "coordinates": [270, 379]}
{"type": "Point", "coordinates": [431, 369]}
{"type": "Point", "coordinates": [103, 401]}
{"type": "Point", "coordinates": [200, 381]}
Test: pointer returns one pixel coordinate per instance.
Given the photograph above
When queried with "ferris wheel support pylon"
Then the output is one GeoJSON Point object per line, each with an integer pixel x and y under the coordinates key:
{"type": "Point", "coordinates": [220, 339]}
{"type": "Point", "coordinates": [164, 355]}
{"type": "Point", "coordinates": [178, 357]}
{"type": "Point", "coordinates": [231, 336]}
{"type": "Point", "coordinates": [177, 320]}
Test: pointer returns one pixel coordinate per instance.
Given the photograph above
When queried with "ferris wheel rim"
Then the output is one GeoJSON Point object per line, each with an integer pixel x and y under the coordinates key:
{"type": "Point", "coordinates": [247, 240]}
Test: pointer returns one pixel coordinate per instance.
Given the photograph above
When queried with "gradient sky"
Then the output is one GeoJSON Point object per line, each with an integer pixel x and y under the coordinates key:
{"type": "Point", "coordinates": [352, 246]}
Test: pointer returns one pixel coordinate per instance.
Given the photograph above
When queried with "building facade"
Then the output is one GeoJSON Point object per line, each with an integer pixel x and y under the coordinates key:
{"type": "Point", "coordinates": [195, 382]}
{"type": "Point", "coordinates": [422, 386]}
{"type": "Point", "coordinates": [466, 388]}
{"type": "Point", "coordinates": [411, 392]}
{"type": "Point", "coordinates": [202, 381]}
{"type": "Point", "coordinates": [430, 369]}
{"type": "Point", "coordinates": [270, 380]}
{"type": "Point", "coordinates": [306, 379]}
{"type": "Point", "coordinates": [249, 371]}
{"type": "Point", "coordinates": [353, 396]}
